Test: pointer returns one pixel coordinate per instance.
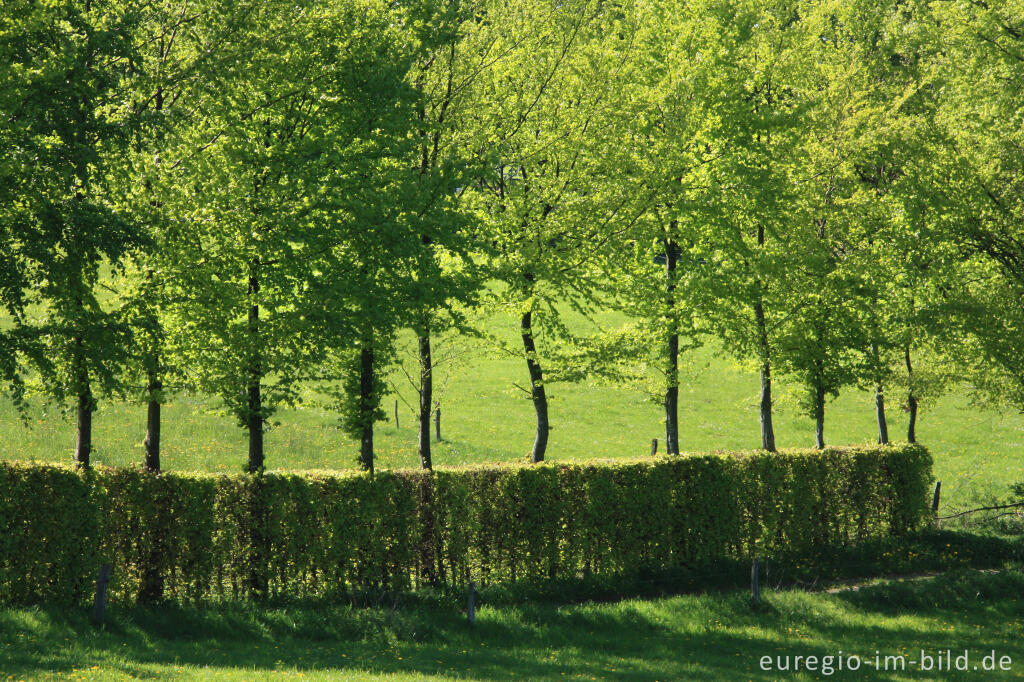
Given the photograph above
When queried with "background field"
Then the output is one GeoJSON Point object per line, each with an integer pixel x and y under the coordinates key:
{"type": "Point", "coordinates": [485, 418]}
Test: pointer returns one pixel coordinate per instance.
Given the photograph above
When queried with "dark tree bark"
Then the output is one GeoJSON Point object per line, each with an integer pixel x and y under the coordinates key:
{"type": "Point", "coordinates": [819, 416]}
{"type": "Point", "coordinates": [537, 392]}
{"type": "Point", "coordinates": [672, 349]}
{"type": "Point", "coordinates": [426, 399]}
{"type": "Point", "coordinates": [911, 400]}
{"type": "Point", "coordinates": [672, 397]}
{"type": "Point", "coordinates": [366, 406]}
{"type": "Point", "coordinates": [155, 384]}
{"type": "Point", "coordinates": [254, 393]}
{"type": "Point", "coordinates": [152, 462]}
{"type": "Point", "coordinates": [883, 425]}
{"type": "Point", "coordinates": [86, 406]}
{"type": "Point", "coordinates": [767, 425]}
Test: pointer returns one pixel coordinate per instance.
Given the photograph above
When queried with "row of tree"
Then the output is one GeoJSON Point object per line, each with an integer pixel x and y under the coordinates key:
{"type": "Point", "coordinates": [246, 198]}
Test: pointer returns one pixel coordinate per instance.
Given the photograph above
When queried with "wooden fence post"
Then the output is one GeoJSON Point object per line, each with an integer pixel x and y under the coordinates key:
{"type": "Point", "coordinates": [99, 608]}
{"type": "Point", "coordinates": [437, 424]}
{"type": "Point", "coordinates": [755, 582]}
{"type": "Point", "coordinates": [654, 447]}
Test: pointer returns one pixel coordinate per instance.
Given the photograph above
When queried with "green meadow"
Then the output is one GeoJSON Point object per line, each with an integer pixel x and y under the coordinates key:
{"type": "Point", "coordinates": [486, 418]}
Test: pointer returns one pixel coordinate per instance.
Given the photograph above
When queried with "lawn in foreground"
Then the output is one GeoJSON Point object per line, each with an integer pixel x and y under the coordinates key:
{"type": "Point", "coordinates": [717, 636]}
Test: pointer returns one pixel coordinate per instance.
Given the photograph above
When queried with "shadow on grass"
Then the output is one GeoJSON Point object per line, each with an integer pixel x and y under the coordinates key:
{"type": "Point", "coordinates": [717, 635]}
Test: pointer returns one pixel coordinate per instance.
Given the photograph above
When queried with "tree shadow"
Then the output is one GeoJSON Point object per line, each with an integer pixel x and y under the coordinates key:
{"type": "Point", "coordinates": [721, 637]}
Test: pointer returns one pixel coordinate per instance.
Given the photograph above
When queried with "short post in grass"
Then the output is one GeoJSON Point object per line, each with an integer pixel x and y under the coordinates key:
{"type": "Point", "coordinates": [471, 609]}
{"type": "Point", "coordinates": [437, 424]}
{"type": "Point", "coordinates": [396, 414]}
{"type": "Point", "coordinates": [935, 501]}
{"type": "Point", "coordinates": [755, 582]}
{"type": "Point", "coordinates": [99, 608]}
{"type": "Point", "coordinates": [654, 447]}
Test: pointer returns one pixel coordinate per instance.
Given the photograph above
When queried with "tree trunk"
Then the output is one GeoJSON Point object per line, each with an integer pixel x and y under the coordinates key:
{"type": "Point", "coordinates": [255, 398]}
{"type": "Point", "coordinates": [883, 426]}
{"type": "Point", "coordinates": [426, 399]}
{"type": "Point", "coordinates": [672, 359]}
{"type": "Point", "coordinates": [151, 582]}
{"type": "Point", "coordinates": [537, 392]}
{"type": "Point", "coordinates": [86, 406]}
{"type": "Point", "coordinates": [152, 462]}
{"type": "Point", "coordinates": [672, 397]}
{"type": "Point", "coordinates": [255, 426]}
{"type": "Point", "coordinates": [819, 416]}
{"type": "Point", "coordinates": [911, 400]}
{"type": "Point", "coordinates": [767, 426]}
{"type": "Point", "coordinates": [366, 406]}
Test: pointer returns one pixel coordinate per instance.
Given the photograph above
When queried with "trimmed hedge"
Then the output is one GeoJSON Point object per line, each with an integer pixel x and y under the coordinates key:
{"type": "Point", "coordinates": [197, 536]}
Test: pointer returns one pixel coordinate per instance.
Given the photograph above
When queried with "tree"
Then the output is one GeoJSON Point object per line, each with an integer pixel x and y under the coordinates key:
{"type": "Point", "coordinates": [266, 189]}
{"type": "Point", "coordinates": [550, 200]}
{"type": "Point", "coordinates": [391, 220]}
{"type": "Point", "coordinates": [165, 78]}
{"type": "Point", "coordinates": [978, 170]}
{"type": "Point", "coordinates": [749, 238]}
{"type": "Point", "coordinates": [454, 45]}
{"type": "Point", "coordinates": [65, 70]}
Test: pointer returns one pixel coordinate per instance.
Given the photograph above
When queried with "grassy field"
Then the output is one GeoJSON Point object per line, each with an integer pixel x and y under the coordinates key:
{"type": "Point", "coordinates": [485, 418]}
{"type": "Point", "coordinates": [718, 636]}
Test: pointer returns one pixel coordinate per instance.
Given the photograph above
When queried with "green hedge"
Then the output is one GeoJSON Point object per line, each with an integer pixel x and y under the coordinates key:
{"type": "Point", "coordinates": [196, 536]}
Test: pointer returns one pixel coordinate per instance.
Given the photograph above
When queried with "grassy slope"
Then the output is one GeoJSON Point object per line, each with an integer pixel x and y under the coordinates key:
{"type": "Point", "coordinates": [717, 636]}
{"type": "Point", "coordinates": [486, 419]}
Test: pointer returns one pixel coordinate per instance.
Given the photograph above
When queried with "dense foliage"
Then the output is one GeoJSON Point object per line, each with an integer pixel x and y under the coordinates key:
{"type": "Point", "coordinates": [252, 536]}
{"type": "Point", "coordinates": [251, 199]}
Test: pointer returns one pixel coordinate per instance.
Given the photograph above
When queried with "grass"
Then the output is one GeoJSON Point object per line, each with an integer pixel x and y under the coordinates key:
{"type": "Point", "coordinates": [718, 636]}
{"type": "Point", "coordinates": [485, 418]}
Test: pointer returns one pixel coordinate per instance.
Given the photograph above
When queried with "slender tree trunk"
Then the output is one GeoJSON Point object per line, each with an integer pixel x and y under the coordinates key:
{"type": "Point", "coordinates": [672, 397]}
{"type": "Point", "coordinates": [152, 462]}
{"type": "Point", "coordinates": [672, 349]}
{"type": "Point", "coordinates": [883, 426]}
{"type": "Point", "coordinates": [86, 406]}
{"type": "Point", "coordinates": [819, 416]}
{"type": "Point", "coordinates": [151, 582]}
{"type": "Point", "coordinates": [426, 399]}
{"type": "Point", "coordinates": [911, 399]}
{"type": "Point", "coordinates": [767, 426]}
{"type": "Point", "coordinates": [366, 405]}
{"type": "Point", "coordinates": [255, 426]}
{"type": "Point", "coordinates": [257, 580]}
{"type": "Point", "coordinates": [254, 392]}
{"type": "Point", "coordinates": [537, 392]}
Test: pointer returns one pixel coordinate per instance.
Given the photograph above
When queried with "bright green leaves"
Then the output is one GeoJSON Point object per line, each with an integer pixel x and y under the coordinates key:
{"type": "Point", "coordinates": [67, 126]}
